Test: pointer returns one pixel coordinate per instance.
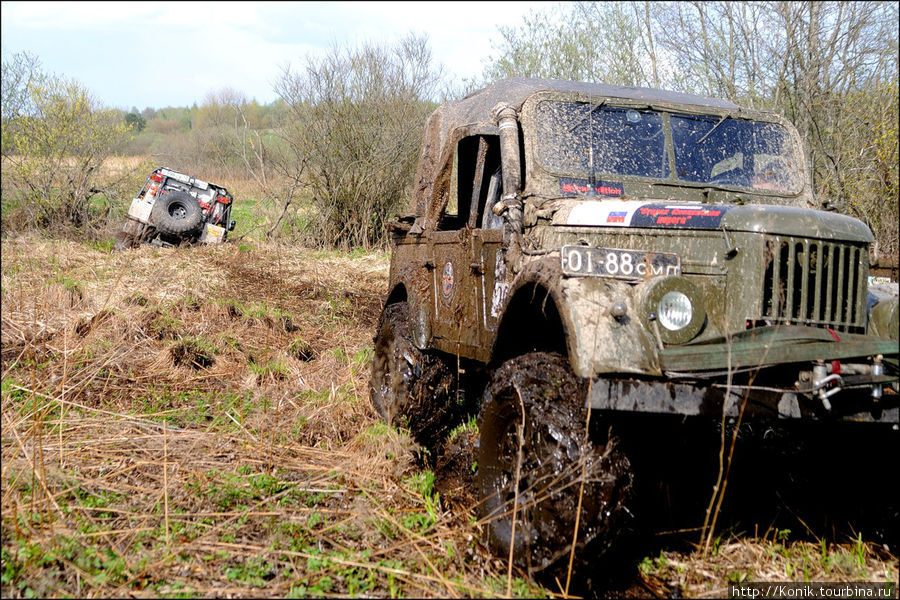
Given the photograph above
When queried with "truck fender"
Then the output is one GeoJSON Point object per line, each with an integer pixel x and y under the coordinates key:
{"type": "Point", "coordinates": [596, 341]}
{"type": "Point", "coordinates": [601, 340]}
{"type": "Point", "coordinates": [414, 291]}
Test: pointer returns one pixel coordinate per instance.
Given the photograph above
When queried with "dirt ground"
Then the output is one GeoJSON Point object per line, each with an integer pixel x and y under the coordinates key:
{"type": "Point", "coordinates": [196, 422]}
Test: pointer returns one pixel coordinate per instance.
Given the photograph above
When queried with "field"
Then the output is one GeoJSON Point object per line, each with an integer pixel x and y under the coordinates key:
{"type": "Point", "coordinates": [196, 423]}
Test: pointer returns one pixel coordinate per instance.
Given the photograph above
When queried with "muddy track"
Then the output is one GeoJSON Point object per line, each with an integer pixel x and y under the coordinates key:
{"type": "Point", "coordinates": [260, 282]}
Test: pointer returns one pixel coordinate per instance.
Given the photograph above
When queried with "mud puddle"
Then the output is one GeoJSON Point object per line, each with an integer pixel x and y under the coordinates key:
{"type": "Point", "coordinates": [454, 472]}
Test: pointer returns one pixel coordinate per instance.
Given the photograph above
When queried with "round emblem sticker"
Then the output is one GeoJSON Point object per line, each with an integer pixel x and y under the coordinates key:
{"type": "Point", "coordinates": [447, 281]}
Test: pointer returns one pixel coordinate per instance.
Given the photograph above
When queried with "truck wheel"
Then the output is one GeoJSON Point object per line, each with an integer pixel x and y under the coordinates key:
{"type": "Point", "coordinates": [176, 213]}
{"type": "Point", "coordinates": [554, 458]}
{"type": "Point", "coordinates": [409, 387]}
{"type": "Point", "coordinates": [123, 241]}
{"type": "Point", "coordinates": [131, 234]}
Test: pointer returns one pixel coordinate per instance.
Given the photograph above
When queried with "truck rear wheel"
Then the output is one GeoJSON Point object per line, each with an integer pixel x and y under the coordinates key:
{"type": "Point", "coordinates": [123, 241]}
{"type": "Point", "coordinates": [408, 387]}
{"type": "Point", "coordinates": [534, 412]}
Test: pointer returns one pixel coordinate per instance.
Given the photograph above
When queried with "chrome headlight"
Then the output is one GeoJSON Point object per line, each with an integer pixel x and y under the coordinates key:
{"type": "Point", "coordinates": [674, 311]}
{"type": "Point", "coordinates": [674, 307]}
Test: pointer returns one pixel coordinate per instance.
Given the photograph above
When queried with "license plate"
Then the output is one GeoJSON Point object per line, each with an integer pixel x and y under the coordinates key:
{"type": "Point", "coordinates": [621, 264]}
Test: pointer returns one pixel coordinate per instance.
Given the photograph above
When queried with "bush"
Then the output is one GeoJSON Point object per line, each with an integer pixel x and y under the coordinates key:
{"type": "Point", "coordinates": [359, 115]}
{"type": "Point", "coordinates": [55, 138]}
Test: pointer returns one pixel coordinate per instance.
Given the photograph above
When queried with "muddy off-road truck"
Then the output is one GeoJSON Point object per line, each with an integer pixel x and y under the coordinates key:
{"type": "Point", "coordinates": [173, 208]}
{"type": "Point", "coordinates": [604, 266]}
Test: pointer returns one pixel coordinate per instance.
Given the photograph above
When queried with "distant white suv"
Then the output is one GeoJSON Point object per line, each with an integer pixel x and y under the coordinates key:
{"type": "Point", "coordinates": [173, 208]}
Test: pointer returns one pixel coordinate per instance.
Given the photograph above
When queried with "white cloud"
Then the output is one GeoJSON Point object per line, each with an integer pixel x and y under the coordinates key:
{"type": "Point", "coordinates": [74, 16]}
{"type": "Point", "coordinates": [153, 54]}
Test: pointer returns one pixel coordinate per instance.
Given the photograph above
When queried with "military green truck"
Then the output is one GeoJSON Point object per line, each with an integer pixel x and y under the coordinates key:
{"type": "Point", "coordinates": [581, 256]}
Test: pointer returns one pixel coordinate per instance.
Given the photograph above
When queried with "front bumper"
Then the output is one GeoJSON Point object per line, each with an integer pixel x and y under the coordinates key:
{"type": "Point", "coordinates": [768, 373]}
{"type": "Point", "coordinates": [769, 346]}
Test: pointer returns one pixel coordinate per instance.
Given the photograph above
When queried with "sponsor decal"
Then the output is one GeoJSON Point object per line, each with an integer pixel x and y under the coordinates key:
{"type": "Point", "coordinates": [690, 216]}
{"type": "Point", "coordinates": [625, 213]}
{"type": "Point", "coordinates": [447, 281]}
{"type": "Point", "coordinates": [616, 216]}
{"type": "Point", "coordinates": [571, 187]}
{"type": "Point", "coordinates": [615, 213]}
{"type": "Point", "coordinates": [501, 286]}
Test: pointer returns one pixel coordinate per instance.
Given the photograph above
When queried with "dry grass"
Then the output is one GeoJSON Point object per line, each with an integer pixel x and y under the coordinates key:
{"type": "Point", "coordinates": [119, 164]}
{"type": "Point", "coordinates": [196, 422]}
{"type": "Point", "coordinates": [243, 469]}
{"type": "Point", "coordinates": [739, 561]}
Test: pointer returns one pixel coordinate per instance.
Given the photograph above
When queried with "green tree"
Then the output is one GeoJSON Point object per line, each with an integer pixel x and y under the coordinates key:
{"type": "Point", "coordinates": [55, 138]}
{"type": "Point", "coordinates": [135, 122]}
{"type": "Point", "coordinates": [19, 74]}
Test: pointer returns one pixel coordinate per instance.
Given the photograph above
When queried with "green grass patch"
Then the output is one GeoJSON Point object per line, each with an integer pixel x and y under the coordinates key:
{"type": "Point", "coordinates": [238, 490]}
{"type": "Point", "coordinates": [195, 407]}
{"type": "Point", "coordinates": [422, 485]}
{"type": "Point", "coordinates": [253, 571]}
{"type": "Point", "coordinates": [470, 427]}
{"type": "Point", "coordinates": [274, 368]}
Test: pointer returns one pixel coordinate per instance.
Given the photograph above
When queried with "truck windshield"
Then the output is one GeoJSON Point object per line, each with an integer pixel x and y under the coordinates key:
{"type": "Point", "coordinates": [734, 152]}
{"type": "Point", "coordinates": [580, 138]}
{"type": "Point", "coordinates": [584, 139]}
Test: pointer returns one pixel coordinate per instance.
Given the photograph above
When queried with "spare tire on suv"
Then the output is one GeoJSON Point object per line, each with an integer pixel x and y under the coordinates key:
{"type": "Point", "coordinates": [177, 213]}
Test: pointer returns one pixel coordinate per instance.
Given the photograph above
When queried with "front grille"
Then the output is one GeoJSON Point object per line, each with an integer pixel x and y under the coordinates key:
{"type": "Point", "coordinates": [816, 283]}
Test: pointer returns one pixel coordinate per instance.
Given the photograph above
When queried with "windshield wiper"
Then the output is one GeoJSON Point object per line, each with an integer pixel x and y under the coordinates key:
{"type": "Point", "coordinates": [713, 128]}
{"type": "Point", "coordinates": [587, 114]}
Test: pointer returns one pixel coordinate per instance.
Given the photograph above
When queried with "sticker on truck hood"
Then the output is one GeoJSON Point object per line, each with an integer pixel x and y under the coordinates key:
{"type": "Point", "coordinates": [570, 187]}
{"type": "Point", "coordinates": [630, 213]}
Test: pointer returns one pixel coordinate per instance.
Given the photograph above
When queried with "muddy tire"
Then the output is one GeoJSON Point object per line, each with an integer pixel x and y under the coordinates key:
{"type": "Point", "coordinates": [123, 241]}
{"type": "Point", "coordinates": [554, 458]}
{"type": "Point", "coordinates": [408, 387]}
{"type": "Point", "coordinates": [176, 213]}
{"type": "Point", "coordinates": [132, 234]}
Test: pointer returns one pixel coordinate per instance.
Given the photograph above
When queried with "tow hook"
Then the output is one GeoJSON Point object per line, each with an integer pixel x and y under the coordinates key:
{"type": "Point", "coordinates": [821, 379]}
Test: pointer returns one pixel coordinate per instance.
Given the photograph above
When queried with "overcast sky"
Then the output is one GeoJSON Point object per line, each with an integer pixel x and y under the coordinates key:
{"type": "Point", "coordinates": [172, 54]}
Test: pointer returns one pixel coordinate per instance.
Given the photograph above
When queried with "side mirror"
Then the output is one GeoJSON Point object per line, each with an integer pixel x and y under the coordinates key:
{"type": "Point", "coordinates": [231, 225]}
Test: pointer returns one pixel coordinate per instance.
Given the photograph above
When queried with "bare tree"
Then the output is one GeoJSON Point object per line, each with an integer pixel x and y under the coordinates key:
{"type": "Point", "coordinates": [231, 136]}
{"type": "Point", "coordinates": [577, 42]}
{"type": "Point", "coordinates": [838, 84]}
{"type": "Point", "coordinates": [358, 116]}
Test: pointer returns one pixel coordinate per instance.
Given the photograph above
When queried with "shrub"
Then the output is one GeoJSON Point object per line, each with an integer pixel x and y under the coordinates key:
{"type": "Point", "coordinates": [359, 115]}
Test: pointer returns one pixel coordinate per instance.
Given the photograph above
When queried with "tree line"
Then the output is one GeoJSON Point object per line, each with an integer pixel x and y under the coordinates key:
{"type": "Point", "coordinates": [343, 135]}
{"type": "Point", "coordinates": [829, 67]}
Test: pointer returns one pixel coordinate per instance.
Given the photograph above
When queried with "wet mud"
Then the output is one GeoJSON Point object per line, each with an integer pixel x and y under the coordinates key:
{"type": "Point", "coordinates": [408, 387]}
{"type": "Point", "coordinates": [558, 480]}
{"type": "Point", "coordinates": [810, 481]}
{"type": "Point", "coordinates": [454, 470]}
